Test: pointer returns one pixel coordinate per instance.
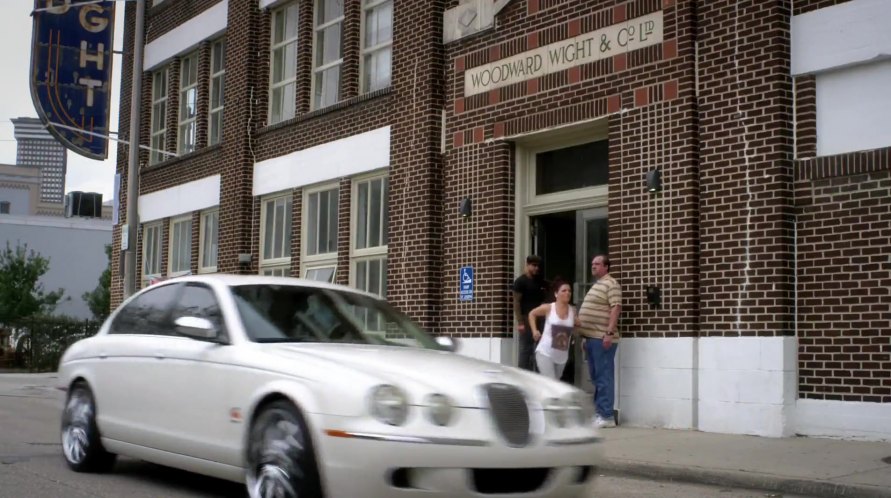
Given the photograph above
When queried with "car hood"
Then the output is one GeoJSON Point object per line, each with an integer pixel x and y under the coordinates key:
{"type": "Point", "coordinates": [417, 371]}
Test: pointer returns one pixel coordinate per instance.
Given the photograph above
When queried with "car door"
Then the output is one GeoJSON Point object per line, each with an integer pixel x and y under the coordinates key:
{"type": "Point", "coordinates": [126, 377]}
{"type": "Point", "coordinates": [196, 413]}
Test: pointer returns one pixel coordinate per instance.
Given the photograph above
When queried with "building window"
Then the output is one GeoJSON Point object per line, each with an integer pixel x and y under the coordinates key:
{"type": "Point", "coordinates": [377, 51]}
{"type": "Point", "coordinates": [328, 54]}
{"type": "Point", "coordinates": [209, 244]}
{"type": "Point", "coordinates": [4, 207]}
{"type": "Point", "coordinates": [188, 103]}
{"type": "Point", "coordinates": [217, 90]}
{"type": "Point", "coordinates": [369, 248]}
{"type": "Point", "coordinates": [151, 252]}
{"type": "Point", "coordinates": [180, 257]}
{"type": "Point", "coordinates": [320, 233]}
{"type": "Point", "coordinates": [159, 116]}
{"type": "Point", "coordinates": [275, 235]}
{"type": "Point", "coordinates": [283, 77]}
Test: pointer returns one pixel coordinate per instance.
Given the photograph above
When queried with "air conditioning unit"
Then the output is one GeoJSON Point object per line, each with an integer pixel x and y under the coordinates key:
{"type": "Point", "coordinates": [83, 204]}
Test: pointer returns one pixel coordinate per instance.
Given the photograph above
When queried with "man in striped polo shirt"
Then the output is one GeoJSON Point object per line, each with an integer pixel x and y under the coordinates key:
{"type": "Point", "coordinates": [598, 320]}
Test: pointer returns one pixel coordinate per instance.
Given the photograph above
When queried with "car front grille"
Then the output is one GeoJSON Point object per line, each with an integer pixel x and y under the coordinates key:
{"type": "Point", "coordinates": [510, 413]}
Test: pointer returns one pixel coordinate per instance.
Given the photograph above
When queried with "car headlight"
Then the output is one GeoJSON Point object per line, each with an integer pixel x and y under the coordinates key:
{"type": "Point", "coordinates": [579, 407]}
{"type": "Point", "coordinates": [388, 404]}
{"type": "Point", "coordinates": [557, 412]}
{"type": "Point", "coordinates": [439, 409]}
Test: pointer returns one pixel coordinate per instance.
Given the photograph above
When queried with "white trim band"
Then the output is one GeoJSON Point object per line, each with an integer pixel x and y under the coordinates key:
{"type": "Point", "coordinates": [329, 161]}
{"type": "Point", "coordinates": [185, 198]}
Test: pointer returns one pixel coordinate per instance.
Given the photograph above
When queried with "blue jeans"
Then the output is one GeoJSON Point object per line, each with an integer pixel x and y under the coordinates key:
{"type": "Point", "coordinates": [601, 366]}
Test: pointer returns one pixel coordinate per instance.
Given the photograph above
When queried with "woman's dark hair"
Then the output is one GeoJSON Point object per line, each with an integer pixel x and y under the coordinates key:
{"type": "Point", "coordinates": [560, 282]}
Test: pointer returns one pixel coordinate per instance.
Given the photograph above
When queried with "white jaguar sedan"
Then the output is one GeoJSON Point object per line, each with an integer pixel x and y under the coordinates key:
{"type": "Point", "coordinates": [305, 389]}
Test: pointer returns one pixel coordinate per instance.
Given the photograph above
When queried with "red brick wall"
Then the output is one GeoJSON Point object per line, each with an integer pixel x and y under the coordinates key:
{"type": "Point", "coordinates": [843, 213]}
{"type": "Point", "coordinates": [645, 96]}
{"type": "Point", "coordinates": [844, 232]}
{"type": "Point", "coordinates": [746, 168]}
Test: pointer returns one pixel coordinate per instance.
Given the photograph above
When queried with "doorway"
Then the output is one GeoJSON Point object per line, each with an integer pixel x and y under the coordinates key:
{"type": "Point", "coordinates": [567, 241]}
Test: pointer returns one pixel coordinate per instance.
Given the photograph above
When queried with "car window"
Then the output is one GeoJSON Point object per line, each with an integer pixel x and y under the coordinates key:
{"type": "Point", "coordinates": [292, 313]}
{"type": "Point", "coordinates": [148, 313]}
{"type": "Point", "coordinates": [198, 301]}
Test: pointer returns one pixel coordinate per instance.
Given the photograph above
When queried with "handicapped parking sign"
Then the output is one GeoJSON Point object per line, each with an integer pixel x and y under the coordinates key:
{"type": "Point", "coordinates": [465, 279]}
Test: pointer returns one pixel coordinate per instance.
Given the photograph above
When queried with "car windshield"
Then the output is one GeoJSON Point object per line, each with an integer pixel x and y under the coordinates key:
{"type": "Point", "coordinates": [290, 313]}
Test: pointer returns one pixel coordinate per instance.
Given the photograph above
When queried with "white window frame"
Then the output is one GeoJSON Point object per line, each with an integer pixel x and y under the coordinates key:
{"type": "Point", "coordinates": [172, 232]}
{"type": "Point", "coordinates": [159, 135]}
{"type": "Point", "coordinates": [187, 125]}
{"type": "Point", "coordinates": [152, 245]}
{"type": "Point", "coordinates": [280, 266]}
{"type": "Point", "coordinates": [314, 263]}
{"type": "Point", "coordinates": [217, 80]}
{"type": "Point", "coordinates": [320, 102]}
{"type": "Point", "coordinates": [367, 7]}
{"type": "Point", "coordinates": [291, 107]}
{"type": "Point", "coordinates": [209, 219]}
{"type": "Point", "coordinates": [367, 254]}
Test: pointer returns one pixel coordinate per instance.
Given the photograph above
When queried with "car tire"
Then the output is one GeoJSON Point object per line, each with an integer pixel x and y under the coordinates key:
{"type": "Point", "coordinates": [280, 459]}
{"type": "Point", "coordinates": [81, 441]}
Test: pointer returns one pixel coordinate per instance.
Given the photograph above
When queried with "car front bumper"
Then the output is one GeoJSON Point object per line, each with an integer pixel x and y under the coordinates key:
{"type": "Point", "coordinates": [405, 464]}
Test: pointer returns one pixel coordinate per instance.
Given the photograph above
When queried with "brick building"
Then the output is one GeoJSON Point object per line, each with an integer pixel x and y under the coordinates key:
{"type": "Point", "coordinates": [355, 144]}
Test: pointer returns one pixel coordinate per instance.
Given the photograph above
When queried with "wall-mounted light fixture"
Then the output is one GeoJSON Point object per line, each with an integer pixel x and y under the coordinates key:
{"type": "Point", "coordinates": [465, 208]}
{"type": "Point", "coordinates": [654, 181]}
{"type": "Point", "coordinates": [654, 296]}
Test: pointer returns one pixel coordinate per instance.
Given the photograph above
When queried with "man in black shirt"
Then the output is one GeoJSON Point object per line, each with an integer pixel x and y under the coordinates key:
{"type": "Point", "coordinates": [529, 291]}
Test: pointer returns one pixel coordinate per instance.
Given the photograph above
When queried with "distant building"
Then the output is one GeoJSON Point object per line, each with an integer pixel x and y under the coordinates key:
{"type": "Point", "coordinates": [37, 148]}
{"type": "Point", "coordinates": [75, 248]}
{"type": "Point", "coordinates": [20, 188]}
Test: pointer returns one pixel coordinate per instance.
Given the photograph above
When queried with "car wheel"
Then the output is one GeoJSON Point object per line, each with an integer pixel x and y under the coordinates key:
{"type": "Point", "coordinates": [281, 461]}
{"type": "Point", "coordinates": [81, 442]}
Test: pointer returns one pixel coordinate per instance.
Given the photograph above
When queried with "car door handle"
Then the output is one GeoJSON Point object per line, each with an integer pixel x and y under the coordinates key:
{"type": "Point", "coordinates": [159, 355]}
{"type": "Point", "coordinates": [103, 355]}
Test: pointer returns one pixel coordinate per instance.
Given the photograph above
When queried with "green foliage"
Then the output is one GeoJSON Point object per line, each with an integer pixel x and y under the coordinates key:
{"type": "Point", "coordinates": [21, 295]}
{"type": "Point", "coordinates": [47, 338]}
{"type": "Point", "coordinates": [99, 299]}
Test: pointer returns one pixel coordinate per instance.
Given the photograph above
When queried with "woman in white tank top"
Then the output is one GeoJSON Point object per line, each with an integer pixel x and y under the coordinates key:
{"type": "Point", "coordinates": [552, 351]}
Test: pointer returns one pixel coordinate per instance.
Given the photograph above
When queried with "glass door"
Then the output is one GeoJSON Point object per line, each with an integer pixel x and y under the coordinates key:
{"type": "Point", "coordinates": [592, 238]}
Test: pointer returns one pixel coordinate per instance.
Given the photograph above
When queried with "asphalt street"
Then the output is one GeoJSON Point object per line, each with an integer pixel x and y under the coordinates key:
{"type": "Point", "coordinates": [31, 464]}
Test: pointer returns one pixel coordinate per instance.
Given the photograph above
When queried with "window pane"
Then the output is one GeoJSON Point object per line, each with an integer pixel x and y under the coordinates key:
{"type": "Point", "coordinates": [219, 56]}
{"type": "Point", "coordinates": [331, 246]}
{"type": "Point", "coordinates": [374, 277]}
{"type": "Point", "coordinates": [379, 25]}
{"type": "Point", "coordinates": [328, 45]}
{"type": "Point", "coordinates": [329, 10]}
{"type": "Point", "coordinates": [268, 228]}
{"type": "Point", "coordinates": [216, 127]}
{"type": "Point", "coordinates": [312, 225]}
{"type": "Point", "coordinates": [377, 69]}
{"type": "Point", "coordinates": [287, 232]}
{"type": "Point", "coordinates": [327, 87]}
{"type": "Point", "coordinates": [279, 230]}
{"type": "Point", "coordinates": [572, 168]}
{"type": "Point", "coordinates": [385, 214]}
{"type": "Point", "coordinates": [362, 275]}
{"type": "Point", "coordinates": [323, 222]}
{"type": "Point", "coordinates": [291, 25]}
{"type": "Point", "coordinates": [362, 217]}
{"type": "Point", "coordinates": [374, 214]}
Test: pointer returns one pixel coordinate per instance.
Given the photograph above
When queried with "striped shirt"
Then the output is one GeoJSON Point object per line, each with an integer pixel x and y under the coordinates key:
{"type": "Point", "coordinates": [594, 312]}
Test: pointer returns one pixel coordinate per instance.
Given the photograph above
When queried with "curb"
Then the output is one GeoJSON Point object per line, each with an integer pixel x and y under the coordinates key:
{"type": "Point", "coordinates": [742, 479]}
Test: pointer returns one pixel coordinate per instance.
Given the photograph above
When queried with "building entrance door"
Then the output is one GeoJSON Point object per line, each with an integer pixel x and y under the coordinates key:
{"type": "Point", "coordinates": [566, 242]}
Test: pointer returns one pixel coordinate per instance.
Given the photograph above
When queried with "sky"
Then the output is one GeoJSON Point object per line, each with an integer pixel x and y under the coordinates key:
{"type": "Point", "coordinates": [84, 174]}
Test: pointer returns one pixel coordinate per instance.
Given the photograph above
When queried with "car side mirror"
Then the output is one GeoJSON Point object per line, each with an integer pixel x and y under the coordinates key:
{"type": "Point", "coordinates": [197, 328]}
{"type": "Point", "coordinates": [450, 343]}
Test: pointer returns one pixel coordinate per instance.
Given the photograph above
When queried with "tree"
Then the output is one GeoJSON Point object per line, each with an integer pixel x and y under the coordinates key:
{"type": "Point", "coordinates": [21, 295]}
{"type": "Point", "coordinates": [99, 299]}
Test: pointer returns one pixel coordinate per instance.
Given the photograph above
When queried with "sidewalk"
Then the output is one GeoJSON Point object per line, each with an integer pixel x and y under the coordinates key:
{"type": "Point", "coordinates": [798, 465]}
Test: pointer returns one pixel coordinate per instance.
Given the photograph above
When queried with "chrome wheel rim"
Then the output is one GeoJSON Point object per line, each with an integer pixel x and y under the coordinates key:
{"type": "Point", "coordinates": [278, 451]}
{"type": "Point", "coordinates": [75, 433]}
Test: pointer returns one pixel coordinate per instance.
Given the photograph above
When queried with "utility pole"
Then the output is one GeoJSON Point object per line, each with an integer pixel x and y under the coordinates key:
{"type": "Point", "coordinates": [131, 274]}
